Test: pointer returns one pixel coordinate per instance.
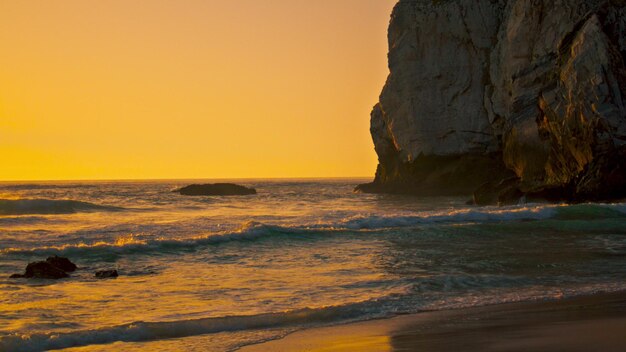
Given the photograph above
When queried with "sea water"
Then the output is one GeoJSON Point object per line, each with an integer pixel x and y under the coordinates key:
{"type": "Point", "coordinates": [218, 273]}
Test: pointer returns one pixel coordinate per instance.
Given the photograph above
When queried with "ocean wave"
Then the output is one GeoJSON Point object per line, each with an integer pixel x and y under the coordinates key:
{"type": "Point", "coordinates": [589, 211]}
{"type": "Point", "coordinates": [383, 307]}
{"type": "Point", "coordinates": [487, 214]}
{"type": "Point", "coordinates": [132, 243]}
{"type": "Point", "coordinates": [21, 220]}
{"type": "Point", "coordinates": [151, 331]}
{"type": "Point", "coordinates": [492, 214]}
{"type": "Point", "coordinates": [49, 206]}
{"type": "Point", "coordinates": [38, 186]}
{"type": "Point", "coordinates": [251, 231]}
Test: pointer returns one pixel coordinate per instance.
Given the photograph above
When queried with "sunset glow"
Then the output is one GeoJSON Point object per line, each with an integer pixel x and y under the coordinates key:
{"type": "Point", "coordinates": [312, 176]}
{"type": "Point", "coordinates": [199, 89]}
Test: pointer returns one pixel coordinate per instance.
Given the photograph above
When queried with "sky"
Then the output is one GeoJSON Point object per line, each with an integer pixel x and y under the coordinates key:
{"type": "Point", "coordinates": [156, 89]}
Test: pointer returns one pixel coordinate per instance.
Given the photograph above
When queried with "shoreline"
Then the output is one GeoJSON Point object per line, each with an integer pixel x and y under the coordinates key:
{"type": "Point", "coordinates": [586, 323]}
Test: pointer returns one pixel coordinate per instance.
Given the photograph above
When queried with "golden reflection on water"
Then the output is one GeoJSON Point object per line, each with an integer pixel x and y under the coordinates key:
{"type": "Point", "coordinates": [187, 288]}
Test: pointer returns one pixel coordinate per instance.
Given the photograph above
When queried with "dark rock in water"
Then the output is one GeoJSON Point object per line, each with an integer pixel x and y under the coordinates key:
{"type": "Point", "coordinates": [53, 268]}
{"type": "Point", "coordinates": [437, 175]}
{"type": "Point", "coordinates": [216, 189]}
{"type": "Point", "coordinates": [529, 89]}
{"type": "Point", "coordinates": [44, 270]}
{"type": "Point", "coordinates": [504, 192]}
{"type": "Point", "coordinates": [511, 196]}
{"type": "Point", "coordinates": [104, 274]}
{"type": "Point", "coordinates": [62, 263]}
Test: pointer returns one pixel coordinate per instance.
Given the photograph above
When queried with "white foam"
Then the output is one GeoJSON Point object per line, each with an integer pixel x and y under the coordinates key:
{"type": "Point", "coordinates": [486, 214]}
{"type": "Point", "coordinates": [255, 230]}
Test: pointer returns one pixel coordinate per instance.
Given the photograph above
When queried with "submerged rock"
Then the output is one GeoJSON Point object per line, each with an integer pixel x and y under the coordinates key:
{"type": "Point", "coordinates": [216, 189]}
{"type": "Point", "coordinates": [53, 268]}
{"type": "Point", "coordinates": [104, 274]}
{"type": "Point", "coordinates": [482, 92]}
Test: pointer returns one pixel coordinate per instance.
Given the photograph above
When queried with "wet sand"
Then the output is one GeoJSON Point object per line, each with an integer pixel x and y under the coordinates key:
{"type": "Point", "coordinates": [592, 323]}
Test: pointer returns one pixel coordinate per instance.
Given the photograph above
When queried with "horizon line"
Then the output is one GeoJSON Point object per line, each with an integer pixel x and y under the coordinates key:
{"type": "Point", "coordinates": [190, 179]}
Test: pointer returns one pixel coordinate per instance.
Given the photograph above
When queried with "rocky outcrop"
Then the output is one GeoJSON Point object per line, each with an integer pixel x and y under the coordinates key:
{"type": "Point", "coordinates": [216, 189]}
{"type": "Point", "coordinates": [525, 95]}
{"type": "Point", "coordinates": [53, 268]}
{"type": "Point", "coordinates": [62, 263]}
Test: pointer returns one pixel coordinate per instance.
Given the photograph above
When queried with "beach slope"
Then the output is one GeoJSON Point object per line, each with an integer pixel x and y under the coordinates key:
{"type": "Point", "coordinates": [592, 323]}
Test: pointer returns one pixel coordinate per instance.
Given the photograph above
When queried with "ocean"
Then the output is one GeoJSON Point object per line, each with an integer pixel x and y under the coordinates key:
{"type": "Point", "coordinates": [218, 273]}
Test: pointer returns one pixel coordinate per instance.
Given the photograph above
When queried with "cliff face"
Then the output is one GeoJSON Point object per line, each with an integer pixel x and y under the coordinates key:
{"type": "Point", "coordinates": [523, 97]}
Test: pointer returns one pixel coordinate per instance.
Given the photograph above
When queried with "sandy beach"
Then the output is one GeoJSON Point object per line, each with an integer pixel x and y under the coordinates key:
{"type": "Point", "coordinates": [592, 323]}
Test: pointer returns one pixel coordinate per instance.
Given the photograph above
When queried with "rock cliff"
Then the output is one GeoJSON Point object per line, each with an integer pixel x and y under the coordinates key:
{"type": "Point", "coordinates": [509, 97]}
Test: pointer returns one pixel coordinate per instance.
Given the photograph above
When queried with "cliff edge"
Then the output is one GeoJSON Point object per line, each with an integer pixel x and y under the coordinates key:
{"type": "Point", "coordinates": [504, 99]}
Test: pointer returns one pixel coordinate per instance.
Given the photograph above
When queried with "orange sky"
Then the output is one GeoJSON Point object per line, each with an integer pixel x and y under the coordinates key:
{"type": "Point", "coordinates": [122, 89]}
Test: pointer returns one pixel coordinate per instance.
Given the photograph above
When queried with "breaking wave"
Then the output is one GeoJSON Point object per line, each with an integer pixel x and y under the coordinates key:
{"type": "Point", "coordinates": [383, 307]}
{"type": "Point", "coordinates": [251, 231]}
{"type": "Point", "coordinates": [150, 331]}
{"type": "Point", "coordinates": [131, 243]}
{"type": "Point", "coordinates": [494, 214]}
{"type": "Point", "coordinates": [470, 215]}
